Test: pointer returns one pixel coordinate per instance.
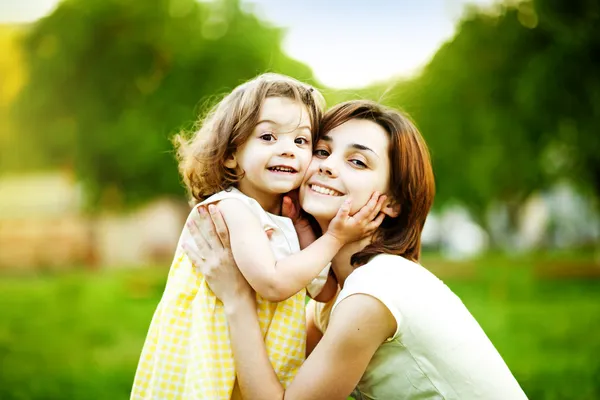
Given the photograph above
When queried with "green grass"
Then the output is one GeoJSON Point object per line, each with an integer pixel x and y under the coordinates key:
{"type": "Point", "coordinates": [78, 336]}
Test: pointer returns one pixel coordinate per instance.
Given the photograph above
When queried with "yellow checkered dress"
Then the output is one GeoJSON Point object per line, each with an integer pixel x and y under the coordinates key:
{"type": "Point", "coordinates": [187, 354]}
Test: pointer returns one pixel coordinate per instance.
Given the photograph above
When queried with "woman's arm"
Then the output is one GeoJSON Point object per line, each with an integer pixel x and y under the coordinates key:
{"type": "Point", "coordinates": [359, 325]}
{"type": "Point", "coordinates": [357, 328]}
{"type": "Point", "coordinates": [313, 333]}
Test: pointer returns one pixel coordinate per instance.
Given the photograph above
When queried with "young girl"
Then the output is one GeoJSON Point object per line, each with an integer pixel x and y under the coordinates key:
{"type": "Point", "coordinates": [252, 148]}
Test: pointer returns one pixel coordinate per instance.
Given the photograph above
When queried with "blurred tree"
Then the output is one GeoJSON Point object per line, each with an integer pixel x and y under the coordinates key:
{"type": "Point", "coordinates": [12, 79]}
{"type": "Point", "coordinates": [111, 81]}
{"type": "Point", "coordinates": [511, 104]}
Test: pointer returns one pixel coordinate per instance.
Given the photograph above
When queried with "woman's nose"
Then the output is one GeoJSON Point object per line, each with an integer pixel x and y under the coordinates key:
{"type": "Point", "coordinates": [326, 169]}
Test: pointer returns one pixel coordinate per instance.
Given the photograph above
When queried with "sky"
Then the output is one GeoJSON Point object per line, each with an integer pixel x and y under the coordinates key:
{"type": "Point", "coordinates": [347, 43]}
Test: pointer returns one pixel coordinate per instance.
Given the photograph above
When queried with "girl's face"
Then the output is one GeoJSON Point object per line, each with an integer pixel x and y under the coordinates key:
{"type": "Point", "coordinates": [350, 161]}
{"type": "Point", "coordinates": [277, 153]}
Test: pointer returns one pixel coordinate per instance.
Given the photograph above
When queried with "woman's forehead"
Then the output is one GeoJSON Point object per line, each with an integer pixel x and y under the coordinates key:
{"type": "Point", "coordinates": [357, 132]}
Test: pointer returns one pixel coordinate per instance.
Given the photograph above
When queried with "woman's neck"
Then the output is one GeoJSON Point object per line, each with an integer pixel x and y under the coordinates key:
{"type": "Point", "coordinates": [341, 265]}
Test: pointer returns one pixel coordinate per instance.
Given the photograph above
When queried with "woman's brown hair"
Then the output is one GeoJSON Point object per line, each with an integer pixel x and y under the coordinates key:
{"type": "Point", "coordinates": [411, 185]}
{"type": "Point", "coordinates": [228, 125]}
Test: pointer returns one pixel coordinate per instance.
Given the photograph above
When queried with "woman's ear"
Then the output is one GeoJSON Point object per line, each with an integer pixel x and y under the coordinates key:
{"type": "Point", "coordinates": [391, 208]}
{"type": "Point", "coordinates": [231, 162]}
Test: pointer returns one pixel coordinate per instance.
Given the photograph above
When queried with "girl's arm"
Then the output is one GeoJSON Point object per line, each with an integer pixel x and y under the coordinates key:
{"type": "Point", "coordinates": [306, 236]}
{"type": "Point", "coordinates": [278, 280]}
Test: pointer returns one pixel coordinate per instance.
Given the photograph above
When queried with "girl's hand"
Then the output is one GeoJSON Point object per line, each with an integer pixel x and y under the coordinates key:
{"type": "Point", "coordinates": [291, 209]}
{"type": "Point", "coordinates": [347, 228]}
{"type": "Point", "coordinates": [291, 206]}
{"type": "Point", "coordinates": [210, 252]}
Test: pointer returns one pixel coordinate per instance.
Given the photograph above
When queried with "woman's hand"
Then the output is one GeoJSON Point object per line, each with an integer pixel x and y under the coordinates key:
{"type": "Point", "coordinates": [210, 252]}
{"type": "Point", "coordinates": [349, 228]}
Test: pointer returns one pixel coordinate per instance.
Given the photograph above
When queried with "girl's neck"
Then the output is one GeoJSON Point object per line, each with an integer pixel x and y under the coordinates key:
{"type": "Point", "coordinates": [271, 203]}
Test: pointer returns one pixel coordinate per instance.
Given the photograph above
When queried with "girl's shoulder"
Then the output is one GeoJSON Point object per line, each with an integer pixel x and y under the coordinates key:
{"type": "Point", "coordinates": [233, 193]}
{"type": "Point", "coordinates": [284, 234]}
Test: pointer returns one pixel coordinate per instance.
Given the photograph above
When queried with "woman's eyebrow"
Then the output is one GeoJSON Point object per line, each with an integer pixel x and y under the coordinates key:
{"type": "Point", "coordinates": [362, 147]}
{"type": "Point", "coordinates": [329, 139]}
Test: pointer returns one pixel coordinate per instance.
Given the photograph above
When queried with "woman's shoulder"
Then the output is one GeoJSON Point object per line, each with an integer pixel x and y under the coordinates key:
{"type": "Point", "coordinates": [387, 266]}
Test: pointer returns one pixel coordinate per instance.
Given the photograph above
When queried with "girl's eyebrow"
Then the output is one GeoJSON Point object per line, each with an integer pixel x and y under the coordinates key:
{"type": "Point", "coordinates": [329, 139]}
{"type": "Point", "coordinates": [270, 121]}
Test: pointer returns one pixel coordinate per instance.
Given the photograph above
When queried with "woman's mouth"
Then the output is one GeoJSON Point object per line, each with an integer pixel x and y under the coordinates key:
{"type": "Point", "coordinates": [324, 190]}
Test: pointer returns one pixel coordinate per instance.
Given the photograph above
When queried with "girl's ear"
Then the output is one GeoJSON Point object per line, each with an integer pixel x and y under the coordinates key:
{"type": "Point", "coordinates": [231, 162]}
{"type": "Point", "coordinates": [391, 208]}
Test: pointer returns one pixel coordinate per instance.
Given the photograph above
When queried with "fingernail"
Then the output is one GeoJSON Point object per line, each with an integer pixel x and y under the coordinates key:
{"type": "Point", "coordinates": [202, 210]}
{"type": "Point", "coordinates": [211, 209]}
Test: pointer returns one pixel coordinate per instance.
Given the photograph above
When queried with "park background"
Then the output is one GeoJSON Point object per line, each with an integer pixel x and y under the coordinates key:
{"type": "Point", "coordinates": [506, 93]}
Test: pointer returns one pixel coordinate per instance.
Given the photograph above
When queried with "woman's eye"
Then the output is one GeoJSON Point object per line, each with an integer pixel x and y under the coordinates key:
{"type": "Point", "coordinates": [267, 137]}
{"type": "Point", "coordinates": [358, 163]}
{"type": "Point", "coordinates": [301, 141]}
{"type": "Point", "coordinates": [321, 153]}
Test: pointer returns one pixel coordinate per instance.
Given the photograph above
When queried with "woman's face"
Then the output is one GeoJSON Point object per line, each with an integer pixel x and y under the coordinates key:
{"type": "Point", "coordinates": [350, 161]}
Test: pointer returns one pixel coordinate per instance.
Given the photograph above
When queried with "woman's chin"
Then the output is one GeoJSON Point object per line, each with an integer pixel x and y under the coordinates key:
{"type": "Point", "coordinates": [319, 210]}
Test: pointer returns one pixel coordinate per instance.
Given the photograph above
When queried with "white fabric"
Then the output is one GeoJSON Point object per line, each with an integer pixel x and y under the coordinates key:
{"type": "Point", "coordinates": [439, 351]}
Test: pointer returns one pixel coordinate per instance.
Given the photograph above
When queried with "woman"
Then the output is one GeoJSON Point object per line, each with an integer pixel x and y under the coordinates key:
{"type": "Point", "coordinates": [395, 330]}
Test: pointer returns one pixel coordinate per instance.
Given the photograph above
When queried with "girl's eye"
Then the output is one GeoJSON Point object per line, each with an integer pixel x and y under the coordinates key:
{"type": "Point", "coordinates": [321, 153]}
{"type": "Point", "coordinates": [301, 141]}
{"type": "Point", "coordinates": [358, 163]}
{"type": "Point", "coordinates": [267, 137]}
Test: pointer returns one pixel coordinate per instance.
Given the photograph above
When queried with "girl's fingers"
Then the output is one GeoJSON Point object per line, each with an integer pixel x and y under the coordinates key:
{"type": "Point", "coordinates": [366, 210]}
{"type": "Point", "coordinates": [219, 225]}
{"type": "Point", "coordinates": [287, 208]}
{"type": "Point", "coordinates": [377, 208]}
{"type": "Point", "coordinates": [344, 210]}
{"type": "Point", "coordinates": [373, 225]}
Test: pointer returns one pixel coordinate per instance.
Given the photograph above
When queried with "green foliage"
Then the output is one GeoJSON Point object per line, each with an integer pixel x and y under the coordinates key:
{"type": "Point", "coordinates": [509, 106]}
{"type": "Point", "coordinates": [79, 336]}
{"type": "Point", "coordinates": [112, 81]}
{"type": "Point", "coordinates": [512, 103]}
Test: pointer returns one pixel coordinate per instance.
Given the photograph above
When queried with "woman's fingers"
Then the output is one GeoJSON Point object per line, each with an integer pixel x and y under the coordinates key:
{"type": "Point", "coordinates": [207, 228]}
{"type": "Point", "coordinates": [220, 225]}
{"type": "Point", "coordinates": [193, 254]}
{"type": "Point", "coordinates": [201, 242]}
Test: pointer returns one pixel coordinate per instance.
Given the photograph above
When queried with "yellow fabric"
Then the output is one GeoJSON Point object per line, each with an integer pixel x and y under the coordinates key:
{"type": "Point", "coordinates": [187, 353]}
